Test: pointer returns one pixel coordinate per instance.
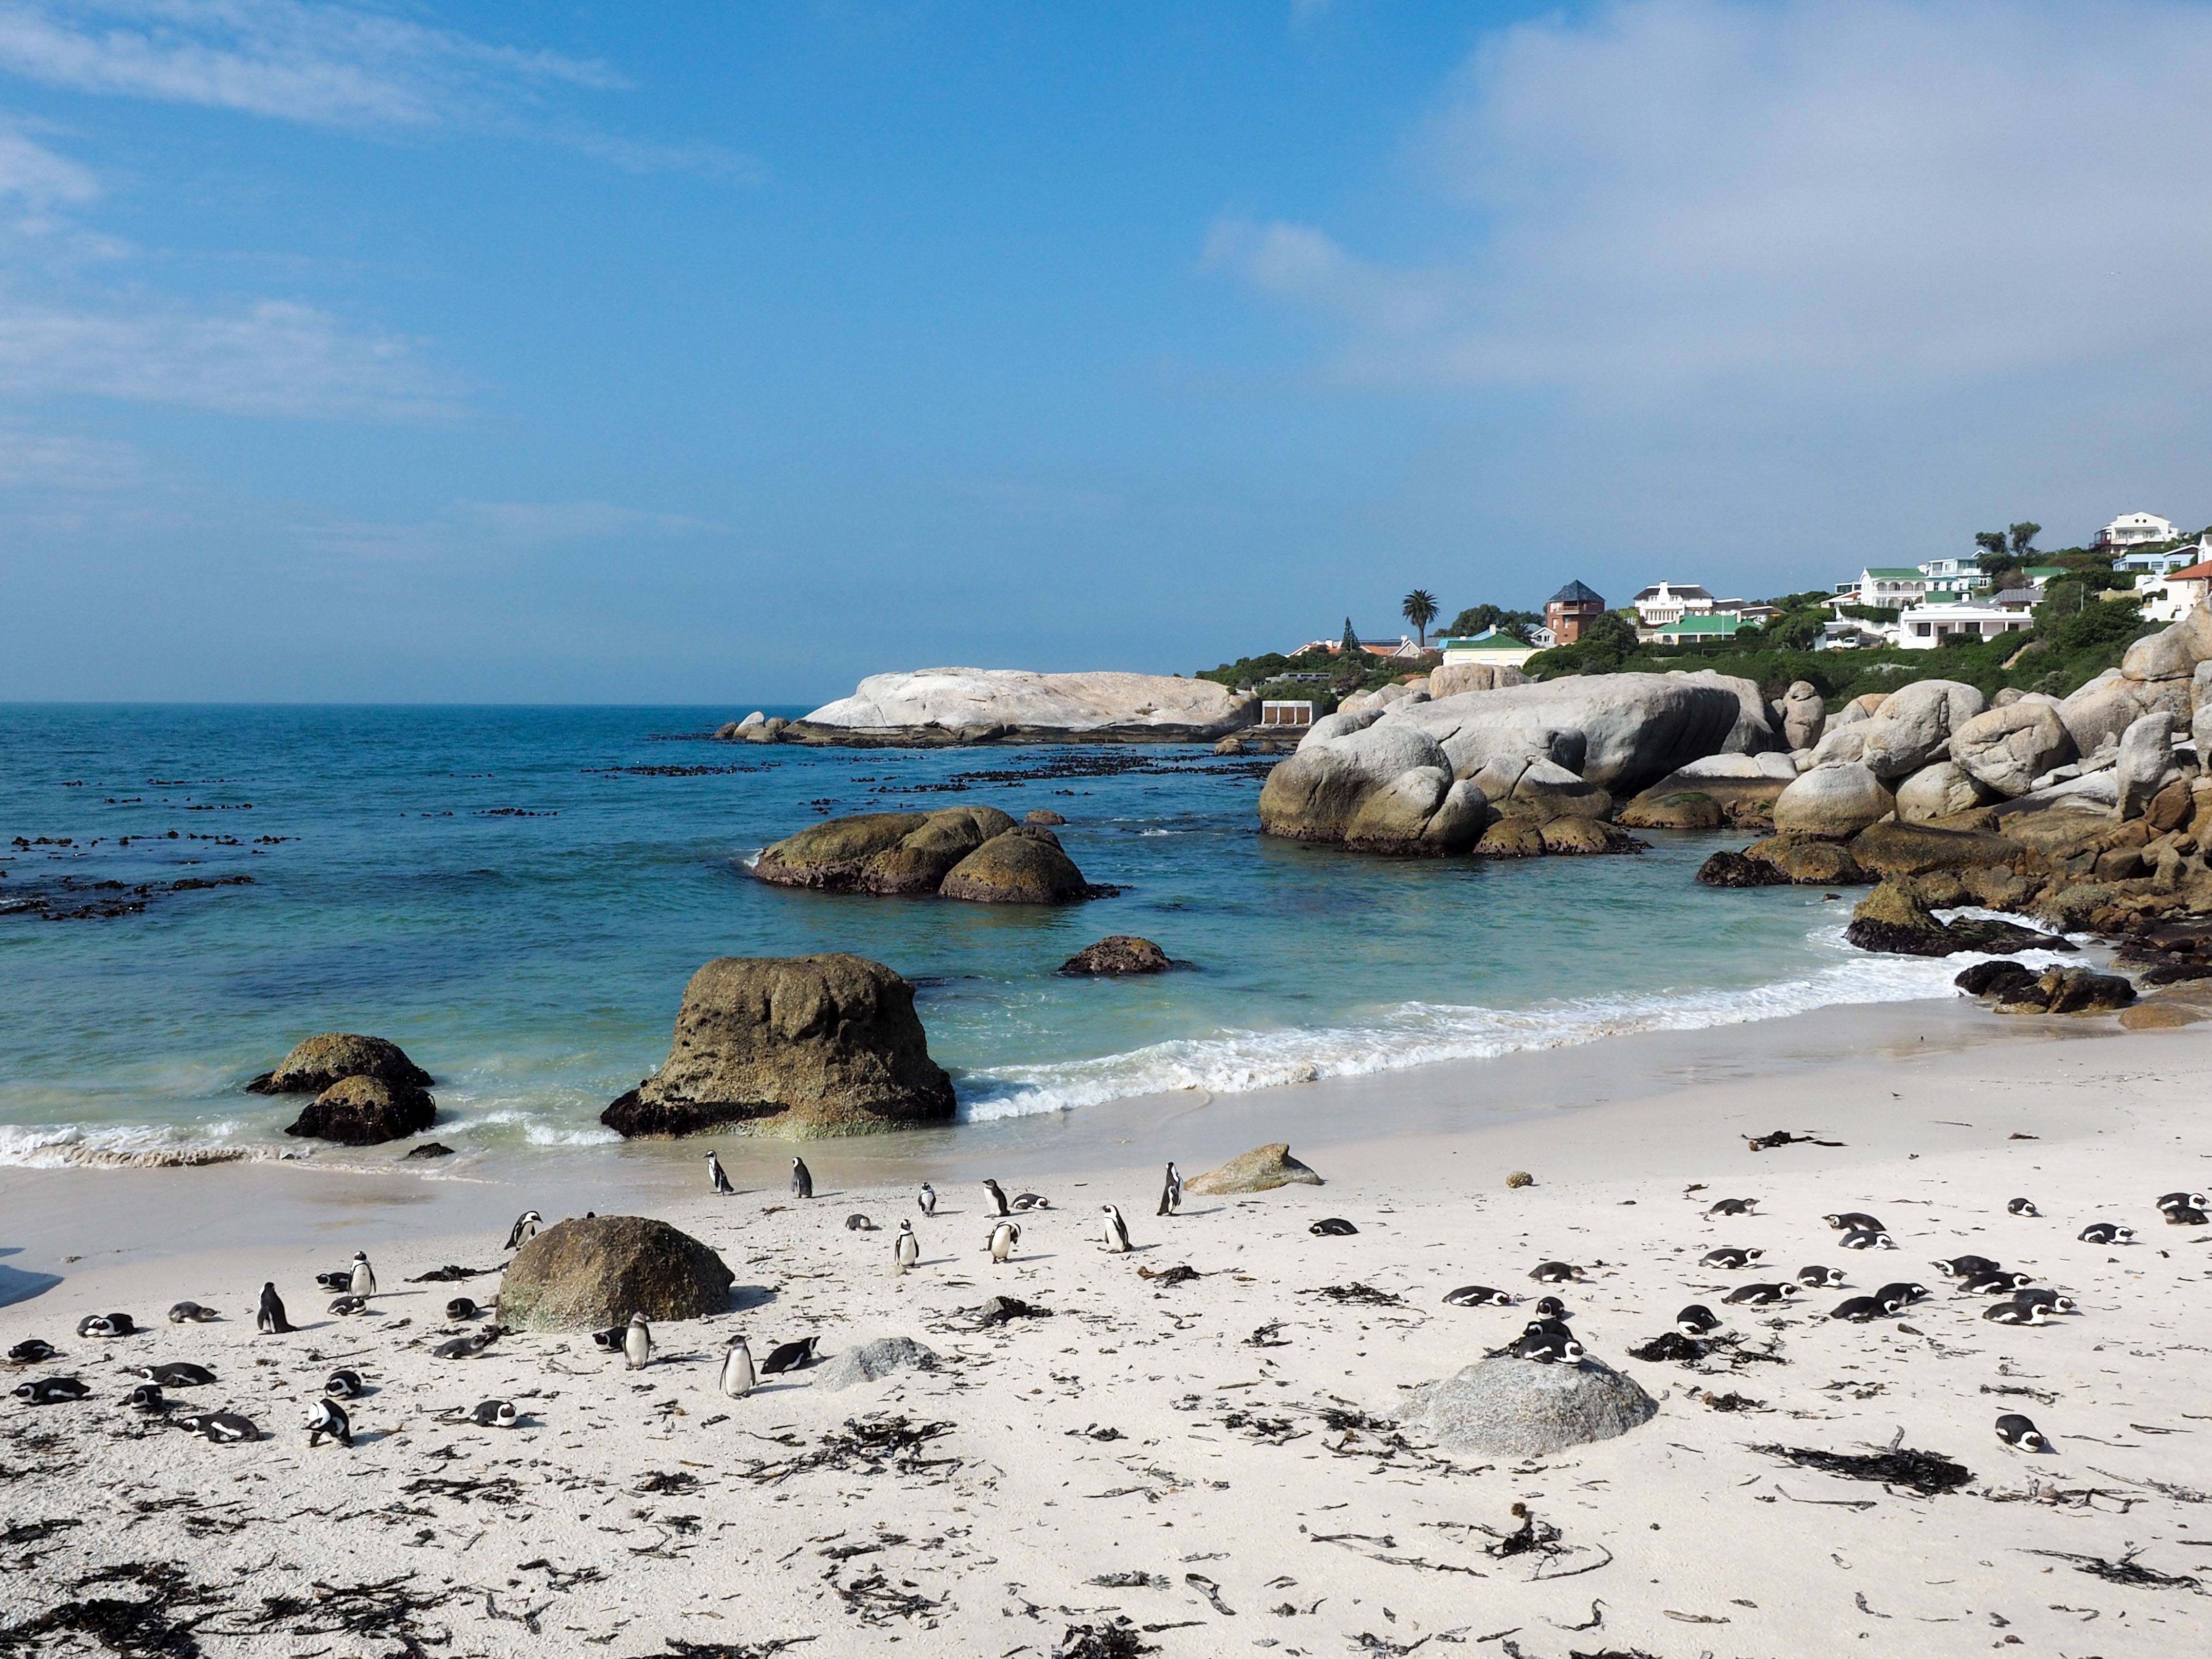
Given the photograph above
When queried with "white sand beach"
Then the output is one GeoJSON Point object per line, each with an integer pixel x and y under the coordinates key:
{"type": "Point", "coordinates": [1214, 1462]}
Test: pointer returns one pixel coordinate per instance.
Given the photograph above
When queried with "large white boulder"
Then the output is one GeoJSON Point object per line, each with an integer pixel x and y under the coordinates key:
{"type": "Point", "coordinates": [1804, 712]}
{"type": "Point", "coordinates": [1938, 791]}
{"type": "Point", "coordinates": [2172, 653]}
{"type": "Point", "coordinates": [1019, 698]}
{"type": "Point", "coordinates": [2008, 748]}
{"type": "Point", "coordinates": [1915, 724]}
{"type": "Point", "coordinates": [1316, 794]}
{"type": "Point", "coordinates": [1835, 801]}
{"type": "Point", "coordinates": [2146, 759]}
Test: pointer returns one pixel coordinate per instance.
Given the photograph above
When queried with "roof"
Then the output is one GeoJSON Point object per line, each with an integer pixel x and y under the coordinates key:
{"type": "Point", "coordinates": [1576, 593]}
{"type": "Point", "coordinates": [2194, 573]}
{"type": "Point", "coordinates": [1680, 590]}
{"type": "Point", "coordinates": [1489, 640]}
{"type": "Point", "coordinates": [2017, 596]}
{"type": "Point", "coordinates": [1705, 625]}
{"type": "Point", "coordinates": [1895, 573]}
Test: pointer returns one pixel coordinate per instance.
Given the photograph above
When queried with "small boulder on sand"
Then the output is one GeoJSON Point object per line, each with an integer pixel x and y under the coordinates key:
{"type": "Point", "coordinates": [322, 1060]}
{"type": "Point", "coordinates": [871, 1361]}
{"type": "Point", "coordinates": [1256, 1171]}
{"type": "Point", "coordinates": [1508, 1408]}
{"type": "Point", "coordinates": [365, 1111]}
{"type": "Point", "coordinates": [600, 1270]}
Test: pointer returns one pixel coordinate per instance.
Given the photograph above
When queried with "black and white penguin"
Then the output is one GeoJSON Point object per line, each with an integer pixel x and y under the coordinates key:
{"type": "Point", "coordinates": [857, 1222]}
{"type": "Point", "coordinates": [467, 1348]}
{"type": "Point", "coordinates": [2183, 1216]}
{"type": "Point", "coordinates": [1171, 1190]}
{"type": "Point", "coordinates": [224, 1428]}
{"type": "Point", "coordinates": [2023, 1207]}
{"type": "Point", "coordinates": [31, 1350]}
{"type": "Point", "coordinates": [1025, 1202]}
{"type": "Point", "coordinates": [1555, 1273]}
{"type": "Point", "coordinates": [1731, 1206]}
{"type": "Point", "coordinates": [1820, 1279]}
{"type": "Point", "coordinates": [2107, 1232]}
{"type": "Point", "coordinates": [525, 1228]}
{"type": "Point", "coordinates": [1862, 1240]}
{"type": "Point", "coordinates": [494, 1415]}
{"type": "Point", "coordinates": [190, 1313]}
{"type": "Point", "coordinates": [363, 1282]}
{"type": "Point", "coordinates": [2051, 1300]}
{"type": "Point", "coordinates": [1760, 1295]}
{"type": "Point", "coordinates": [2017, 1431]}
{"type": "Point", "coordinates": [637, 1344]}
{"type": "Point", "coordinates": [1116, 1230]}
{"type": "Point", "coordinates": [327, 1420]}
{"type": "Point", "coordinates": [461, 1308]}
{"type": "Point", "coordinates": [737, 1378]}
{"type": "Point", "coordinates": [106, 1325]}
{"type": "Point", "coordinates": [1477, 1296]}
{"type": "Point", "coordinates": [176, 1374]}
{"type": "Point", "coordinates": [998, 1196]}
{"type": "Point", "coordinates": [340, 1280]}
{"type": "Point", "coordinates": [1333, 1226]}
{"type": "Point", "coordinates": [1547, 1347]}
{"type": "Point", "coordinates": [269, 1319]}
{"type": "Point", "coordinates": [148, 1397]}
{"type": "Point", "coordinates": [1547, 1327]}
{"type": "Point", "coordinates": [790, 1356]}
{"type": "Point", "coordinates": [610, 1339]}
{"type": "Point", "coordinates": [716, 1181]}
{"type": "Point", "coordinates": [1966, 1267]}
{"type": "Point", "coordinates": [343, 1384]}
{"type": "Point", "coordinates": [2000, 1282]}
{"type": "Point", "coordinates": [1004, 1234]}
{"type": "Point", "coordinates": [1863, 1308]}
{"type": "Point", "coordinates": [2184, 1201]}
{"type": "Point", "coordinates": [51, 1390]}
{"type": "Point", "coordinates": [1731, 1259]}
{"type": "Point", "coordinates": [906, 1249]}
{"type": "Point", "coordinates": [2016, 1313]}
{"type": "Point", "coordinates": [345, 1306]}
{"type": "Point", "coordinates": [1852, 1221]}
{"type": "Point", "coordinates": [927, 1197]}
{"type": "Point", "coordinates": [1550, 1307]}
{"type": "Point", "coordinates": [1904, 1293]}
{"type": "Point", "coordinates": [802, 1179]}
{"type": "Point", "coordinates": [1697, 1320]}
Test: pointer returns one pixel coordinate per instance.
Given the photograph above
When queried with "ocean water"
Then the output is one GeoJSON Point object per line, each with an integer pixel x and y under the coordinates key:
{"type": "Point", "coordinates": [517, 895]}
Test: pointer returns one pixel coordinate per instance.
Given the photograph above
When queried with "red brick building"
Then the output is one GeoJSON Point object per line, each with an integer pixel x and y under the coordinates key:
{"type": "Point", "coordinates": [1570, 611]}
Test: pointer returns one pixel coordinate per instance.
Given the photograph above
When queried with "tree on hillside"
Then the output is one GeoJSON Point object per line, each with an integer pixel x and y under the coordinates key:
{"type": "Point", "coordinates": [1350, 639]}
{"type": "Point", "coordinates": [1477, 617]}
{"type": "Point", "coordinates": [1419, 609]}
{"type": "Point", "coordinates": [1610, 632]}
{"type": "Point", "coordinates": [1992, 544]}
{"type": "Point", "coordinates": [2023, 537]}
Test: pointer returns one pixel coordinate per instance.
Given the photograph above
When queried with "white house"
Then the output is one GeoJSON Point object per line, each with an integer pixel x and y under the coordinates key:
{"type": "Point", "coordinates": [1924, 627]}
{"type": "Point", "coordinates": [1490, 646]}
{"type": "Point", "coordinates": [2170, 598]}
{"type": "Point", "coordinates": [1954, 577]}
{"type": "Point", "coordinates": [1892, 586]}
{"type": "Point", "coordinates": [1668, 602]}
{"type": "Point", "coordinates": [2157, 564]}
{"type": "Point", "coordinates": [2137, 530]}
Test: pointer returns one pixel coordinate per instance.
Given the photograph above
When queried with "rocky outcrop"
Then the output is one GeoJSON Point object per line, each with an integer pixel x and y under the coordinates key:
{"type": "Point", "coordinates": [366, 1111]}
{"type": "Point", "coordinates": [1809, 860]}
{"type": "Point", "coordinates": [1453, 678]}
{"type": "Point", "coordinates": [2063, 991]}
{"type": "Point", "coordinates": [1118, 955]}
{"type": "Point", "coordinates": [2007, 749]}
{"type": "Point", "coordinates": [973, 853]}
{"type": "Point", "coordinates": [802, 1046]}
{"type": "Point", "coordinates": [1804, 713]}
{"type": "Point", "coordinates": [1258, 1170]}
{"type": "Point", "coordinates": [1913, 849]}
{"type": "Point", "coordinates": [2145, 765]}
{"type": "Point", "coordinates": [1914, 725]}
{"type": "Point", "coordinates": [1507, 1408]}
{"type": "Point", "coordinates": [1682, 809]}
{"type": "Point", "coordinates": [1893, 920]}
{"type": "Point", "coordinates": [1384, 698]}
{"type": "Point", "coordinates": [1008, 705]}
{"type": "Point", "coordinates": [1941, 791]}
{"type": "Point", "coordinates": [598, 1271]}
{"type": "Point", "coordinates": [322, 1060]}
{"type": "Point", "coordinates": [1025, 866]}
{"type": "Point", "coordinates": [1741, 788]}
{"type": "Point", "coordinates": [1727, 869]}
{"type": "Point", "coordinates": [1834, 801]}
{"type": "Point", "coordinates": [1323, 792]}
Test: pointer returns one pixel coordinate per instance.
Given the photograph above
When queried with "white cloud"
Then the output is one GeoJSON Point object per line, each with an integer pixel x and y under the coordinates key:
{"type": "Point", "coordinates": [272, 358]}
{"type": "Point", "coordinates": [1668, 194]}
{"type": "Point", "coordinates": [37, 177]}
{"type": "Point", "coordinates": [46, 461]}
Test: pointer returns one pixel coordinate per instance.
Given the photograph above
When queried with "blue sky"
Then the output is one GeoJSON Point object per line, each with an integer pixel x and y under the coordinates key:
{"type": "Point", "coordinates": [723, 354]}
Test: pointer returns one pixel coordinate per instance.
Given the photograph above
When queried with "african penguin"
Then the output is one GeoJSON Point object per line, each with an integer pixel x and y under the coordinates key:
{"type": "Point", "coordinates": [1904, 1293]}
{"type": "Point", "coordinates": [1863, 1240]}
{"type": "Point", "coordinates": [2184, 1201]}
{"type": "Point", "coordinates": [147, 1397]}
{"type": "Point", "coordinates": [1171, 1191]}
{"type": "Point", "coordinates": [802, 1179]}
{"type": "Point", "coordinates": [790, 1356]}
{"type": "Point", "coordinates": [1547, 1348]}
{"type": "Point", "coordinates": [1852, 1221]}
{"type": "Point", "coordinates": [1004, 1236]}
{"type": "Point", "coordinates": [346, 1306]}
{"type": "Point", "coordinates": [738, 1378]}
{"type": "Point", "coordinates": [1760, 1295]}
{"type": "Point", "coordinates": [105, 1325]}
{"type": "Point", "coordinates": [1116, 1230]}
{"type": "Point", "coordinates": [906, 1249]}
{"type": "Point", "coordinates": [1550, 1307]}
{"type": "Point", "coordinates": [1729, 1258]}
{"type": "Point", "coordinates": [2183, 1216]}
{"type": "Point", "coordinates": [461, 1308]}
{"type": "Point", "coordinates": [1965, 1266]}
{"type": "Point", "coordinates": [269, 1319]}
{"type": "Point", "coordinates": [525, 1228]}
{"type": "Point", "coordinates": [637, 1344]}
{"type": "Point", "coordinates": [1697, 1320]}
{"type": "Point", "coordinates": [1995, 1283]}
{"type": "Point", "coordinates": [340, 1280]}
{"type": "Point", "coordinates": [1477, 1296]}
{"type": "Point", "coordinates": [2016, 1313]}
{"type": "Point", "coordinates": [610, 1339]}
{"type": "Point", "coordinates": [494, 1415]}
{"type": "Point", "coordinates": [326, 1419]}
{"type": "Point", "coordinates": [998, 1196]}
{"type": "Point", "coordinates": [31, 1350]}
{"type": "Point", "coordinates": [857, 1222]}
{"type": "Point", "coordinates": [1731, 1206]}
{"type": "Point", "coordinates": [224, 1428]}
{"type": "Point", "coordinates": [2023, 1207]}
{"type": "Point", "coordinates": [716, 1179]}
{"type": "Point", "coordinates": [1555, 1273]}
{"type": "Point", "coordinates": [176, 1374]}
{"type": "Point", "coordinates": [1024, 1202]}
{"type": "Point", "coordinates": [343, 1384]}
{"type": "Point", "coordinates": [363, 1282]}
{"type": "Point", "coordinates": [1863, 1308]}
{"type": "Point", "coordinates": [2017, 1431]}
{"type": "Point", "coordinates": [1334, 1227]}
{"type": "Point", "coordinates": [927, 1199]}
{"type": "Point", "coordinates": [190, 1313]}
{"type": "Point", "coordinates": [467, 1348]}
{"type": "Point", "coordinates": [51, 1390]}
{"type": "Point", "coordinates": [1819, 1279]}
{"type": "Point", "coordinates": [2106, 1232]}
{"type": "Point", "coordinates": [2050, 1300]}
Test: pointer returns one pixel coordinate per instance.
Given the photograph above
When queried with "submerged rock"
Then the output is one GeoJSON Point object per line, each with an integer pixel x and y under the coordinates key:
{"type": "Point", "coordinates": [1025, 866]}
{"type": "Point", "coordinates": [600, 1270]}
{"type": "Point", "coordinates": [322, 1060]}
{"type": "Point", "coordinates": [1118, 954]}
{"type": "Point", "coordinates": [1508, 1408]}
{"type": "Point", "coordinates": [365, 1111]}
{"type": "Point", "coordinates": [973, 853]}
{"type": "Point", "coordinates": [1893, 920]}
{"type": "Point", "coordinates": [2066, 991]}
{"type": "Point", "coordinates": [804, 1045]}
{"type": "Point", "coordinates": [1258, 1170]}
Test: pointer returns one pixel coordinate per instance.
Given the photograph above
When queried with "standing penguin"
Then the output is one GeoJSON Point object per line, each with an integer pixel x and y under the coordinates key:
{"type": "Point", "coordinates": [363, 1282]}
{"type": "Point", "coordinates": [906, 1249]}
{"type": "Point", "coordinates": [1117, 1231]}
{"type": "Point", "coordinates": [525, 1228]}
{"type": "Point", "coordinates": [326, 1418]}
{"type": "Point", "coordinates": [269, 1319]}
{"type": "Point", "coordinates": [1171, 1192]}
{"type": "Point", "coordinates": [1004, 1234]}
{"type": "Point", "coordinates": [928, 1199]}
{"type": "Point", "coordinates": [720, 1182]}
{"type": "Point", "coordinates": [637, 1343]}
{"type": "Point", "coordinates": [737, 1378]}
{"type": "Point", "coordinates": [802, 1179]}
{"type": "Point", "coordinates": [998, 1195]}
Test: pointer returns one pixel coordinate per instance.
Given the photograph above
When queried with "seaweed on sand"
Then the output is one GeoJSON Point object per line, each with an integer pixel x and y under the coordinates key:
{"type": "Point", "coordinates": [1116, 1640]}
{"type": "Point", "coordinates": [1929, 1473]}
{"type": "Point", "coordinates": [2124, 1570]}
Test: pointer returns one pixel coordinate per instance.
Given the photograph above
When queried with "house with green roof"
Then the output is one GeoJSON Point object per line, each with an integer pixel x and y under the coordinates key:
{"type": "Point", "coordinates": [1892, 586]}
{"type": "Point", "coordinates": [1690, 629]}
{"type": "Point", "coordinates": [1489, 646]}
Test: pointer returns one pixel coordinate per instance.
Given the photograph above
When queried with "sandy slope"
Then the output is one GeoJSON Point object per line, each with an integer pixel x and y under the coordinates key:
{"type": "Point", "coordinates": [1140, 1431]}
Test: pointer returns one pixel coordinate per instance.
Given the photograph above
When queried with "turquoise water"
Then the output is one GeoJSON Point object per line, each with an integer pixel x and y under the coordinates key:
{"type": "Point", "coordinates": [517, 895]}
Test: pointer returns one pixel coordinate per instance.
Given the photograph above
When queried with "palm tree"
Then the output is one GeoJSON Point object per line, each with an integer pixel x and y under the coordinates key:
{"type": "Point", "coordinates": [1420, 610]}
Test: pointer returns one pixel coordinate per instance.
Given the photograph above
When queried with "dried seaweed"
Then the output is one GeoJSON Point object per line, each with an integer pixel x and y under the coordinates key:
{"type": "Point", "coordinates": [450, 1274]}
{"type": "Point", "coordinates": [1929, 1473]}
{"type": "Point", "coordinates": [380, 1609]}
{"type": "Point", "coordinates": [1165, 1276]}
{"type": "Point", "coordinates": [675, 1485]}
{"type": "Point", "coordinates": [679, 1648]}
{"type": "Point", "coordinates": [1357, 1296]}
{"type": "Point", "coordinates": [1117, 1640]}
{"type": "Point", "coordinates": [499, 1489]}
{"type": "Point", "coordinates": [2125, 1570]}
{"type": "Point", "coordinates": [1001, 1308]}
{"type": "Point", "coordinates": [135, 1627]}
{"type": "Point", "coordinates": [867, 1445]}
{"type": "Point", "coordinates": [1731, 1402]}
